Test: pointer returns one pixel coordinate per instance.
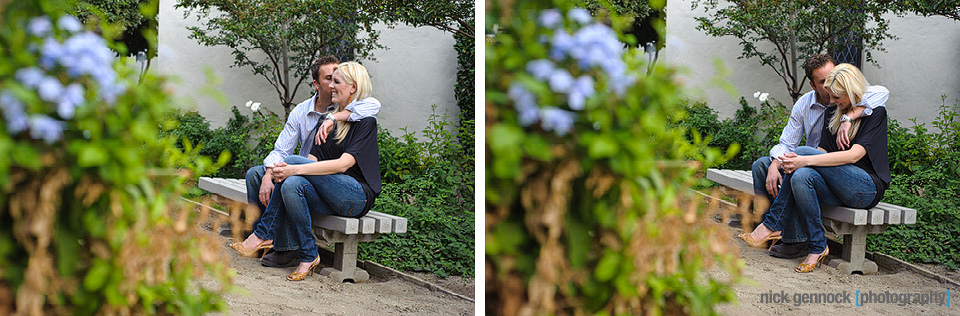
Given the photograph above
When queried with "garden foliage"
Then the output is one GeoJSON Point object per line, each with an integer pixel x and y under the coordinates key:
{"type": "Point", "coordinates": [750, 133]}
{"type": "Point", "coordinates": [588, 207]}
{"type": "Point", "coordinates": [91, 220]}
{"type": "Point", "coordinates": [926, 176]}
{"type": "Point", "coordinates": [431, 183]}
{"type": "Point", "coordinates": [244, 142]}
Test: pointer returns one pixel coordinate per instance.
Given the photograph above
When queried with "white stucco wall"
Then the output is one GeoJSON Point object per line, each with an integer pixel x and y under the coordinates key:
{"type": "Point", "coordinates": [917, 68]}
{"type": "Point", "coordinates": [417, 70]}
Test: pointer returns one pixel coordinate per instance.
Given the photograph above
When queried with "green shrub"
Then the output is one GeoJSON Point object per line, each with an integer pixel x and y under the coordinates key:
{"type": "Point", "coordinates": [243, 141]}
{"type": "Point", "coordinates": [91, 221]}
{"type": "Point", "coordinates": [748, 135]}
{"type": "Point", "coordinates": [926, 177]}
{"type": "Point", "coordinates": [588, 207]}
{"type": "Point", "coordinates": [429, 182]}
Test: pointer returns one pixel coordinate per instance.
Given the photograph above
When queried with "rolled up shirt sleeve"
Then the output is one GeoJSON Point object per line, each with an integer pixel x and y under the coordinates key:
{"type": "Point", "coordinates": [367, 107]}
{"type": "Point", "coordinates": [284, 146]}
{"type": "Point", "coordinates": [791, 135]}
{"type": "Point", "coordinates": [876, 96]}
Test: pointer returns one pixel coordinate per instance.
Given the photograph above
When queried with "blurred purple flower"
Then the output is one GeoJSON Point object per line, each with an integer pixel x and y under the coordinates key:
{"type": "Point", "coordinates": [620, 83]}
{"type": "Point", "coordinates": [540, 68]}
{"type": "Point", "coordinates": [29, 77]}
{"type": "Point", "coordinates": [580, 15]}
{"type": "Point", "coordinates": [561, 44]}
{"type": "Point", "coordinates": [51, 51]}
{"type": "Point", "coordinates": [40, 26]}
{"type": "Point", "coordinates": [69, 23]}
{"type": "Point", "coordinates": [524, 102]}
{"type": "Point", "coordinates": [557, 120]}
{"type": "Point", "coordinates": [560, 80]}
{"type": "Point", "coordinates": [582, 89]}
{"type": "Point", "coordinates": [71, 98]}
{"type": "Point", "coordinates": [50, 89]}
{"type": "Point", "coordinates": [550, 18]}
{"type": "Point", "coordinates": [46, 128]}
{"type": "Point", "coordinates": [13, 113]}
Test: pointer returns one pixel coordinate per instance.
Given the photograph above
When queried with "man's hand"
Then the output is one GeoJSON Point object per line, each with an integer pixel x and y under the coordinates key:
{"type": "Point", "coordinates": [281, 171]}
{"type": "Point", "coordinates": [774, 179]}
{"type": "Point", "coordinates": [792, 162]}
{"type": "Point", "coordinates": [266, 187]}
{"type": "Point", "coordinates": [323, 131]}
{"type": "Point", "coordinates": [843, 138]}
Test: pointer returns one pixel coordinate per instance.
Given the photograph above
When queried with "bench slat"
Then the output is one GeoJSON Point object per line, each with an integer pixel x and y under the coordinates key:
{"type": "Point", "coordinates": [346, 225]}
{"type": "Point", "coordinates": [399, 223]}
{"type": "Point", "coordinates": [384, 224]}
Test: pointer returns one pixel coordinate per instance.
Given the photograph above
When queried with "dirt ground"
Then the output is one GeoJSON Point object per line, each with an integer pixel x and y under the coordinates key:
{"type": "Point", "coordinates": [269, 293]}
{"type": "Point", "coordinates": [772, 275]}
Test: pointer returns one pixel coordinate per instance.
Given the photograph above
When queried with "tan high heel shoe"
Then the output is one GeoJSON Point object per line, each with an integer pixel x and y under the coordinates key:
{"type": "Point", "coordinates": [252, 253]}
{"type": "Point", "coordinates": [808, 267]}
{"type": "Point", "coordinates": [759, 243]}
{"type": "Point", "coordinates": [297, 276]}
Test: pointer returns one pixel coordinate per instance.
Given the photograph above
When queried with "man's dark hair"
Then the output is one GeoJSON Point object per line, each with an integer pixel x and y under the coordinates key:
{"type": "Point", "coordinates": [325, 60]}
{"type": "Point", "coordinates": [815, 62]}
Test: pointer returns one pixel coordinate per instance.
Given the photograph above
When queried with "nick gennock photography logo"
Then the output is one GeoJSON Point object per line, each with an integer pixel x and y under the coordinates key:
{"type": "Point", "coordinates": [858, 298]}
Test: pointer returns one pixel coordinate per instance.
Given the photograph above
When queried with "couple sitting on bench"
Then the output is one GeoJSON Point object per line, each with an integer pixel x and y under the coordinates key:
{"type": "Point", "coordinates": [337, 171]}
{"type": "Point", "coordinates": [849, 167]}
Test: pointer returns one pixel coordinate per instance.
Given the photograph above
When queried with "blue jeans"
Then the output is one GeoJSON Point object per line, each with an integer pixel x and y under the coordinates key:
{"type": "Point", "coordinates": [794, 232]}
{"type": "Point", "coordinates": [285, 238]}
{"type": "Point", "coordinates": [811, 188]}
{"type": "Point", "coordinates": [306, 196]}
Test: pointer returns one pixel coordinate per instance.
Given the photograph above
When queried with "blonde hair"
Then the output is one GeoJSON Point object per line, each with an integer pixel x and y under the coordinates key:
{"type": "Point", "coordinates": [846, 79]}
{"type": "Point", "coordinates": [354, 74]}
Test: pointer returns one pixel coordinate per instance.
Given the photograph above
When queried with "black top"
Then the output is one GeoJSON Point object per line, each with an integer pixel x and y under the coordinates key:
{"type": "Point", "coordinates": [873, 137]}
{"type": "Point", "coordinates": [361, 143]}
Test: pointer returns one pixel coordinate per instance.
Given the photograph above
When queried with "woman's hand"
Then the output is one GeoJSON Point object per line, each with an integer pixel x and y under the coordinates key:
{"type": "Point", "coordinates": [282, 170]}
{"type": "Point", "coordinates": [323, 131]}
{"type": "Point", "coordinates": [792, 162]}
{"type": "Point", "coordinates": [843, 138]}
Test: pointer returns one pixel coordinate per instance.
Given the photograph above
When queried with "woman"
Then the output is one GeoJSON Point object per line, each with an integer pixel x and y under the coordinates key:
{"type": "Point", "coordinates": [340, 177]}
{"type": "Point", "coordinates": [827, 176]}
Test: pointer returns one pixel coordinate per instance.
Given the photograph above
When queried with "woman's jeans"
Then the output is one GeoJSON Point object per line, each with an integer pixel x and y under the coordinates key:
{"type": "Point", "coordinates": [298, 198]}
{"type": "Point", "coordinates": [809, 188]}
{"type": "Point", "coordinates": [793, 231]}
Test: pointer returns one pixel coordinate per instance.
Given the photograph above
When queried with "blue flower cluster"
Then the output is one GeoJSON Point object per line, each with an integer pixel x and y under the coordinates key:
{"type": "Point", "coordinates": [592, 45]}
{"type": "Point", "coordinates": [83, 53]}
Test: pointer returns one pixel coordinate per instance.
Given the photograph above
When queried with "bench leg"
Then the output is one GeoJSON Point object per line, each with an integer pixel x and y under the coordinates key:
{"type": "Point", "coordinates": [853, 258]}
{"type": "Point", "coordinates": [345, 261]}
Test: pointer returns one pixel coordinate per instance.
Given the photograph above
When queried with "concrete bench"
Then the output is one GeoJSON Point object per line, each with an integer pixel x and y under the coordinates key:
{"type": "Point", "coordinates": [852, 223]}
{"type": "Point", "coordinates": [343, 232]}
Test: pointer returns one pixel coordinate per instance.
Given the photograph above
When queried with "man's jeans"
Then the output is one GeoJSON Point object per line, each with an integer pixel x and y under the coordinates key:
{"type": "Point", "coordinates": [791, 220]}
{"type": "Point", "coordinates": [285, 240]}
{"type": "Point", "coordinates": [809, 188]}
{"type": "Point", "coordinates": [298, 198]}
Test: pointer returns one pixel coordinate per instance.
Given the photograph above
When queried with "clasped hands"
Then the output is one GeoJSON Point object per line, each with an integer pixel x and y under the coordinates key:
{"type": "Point", "coordinates": [790, 162]}
{"type": "Point", "coordinates": [282, 170]}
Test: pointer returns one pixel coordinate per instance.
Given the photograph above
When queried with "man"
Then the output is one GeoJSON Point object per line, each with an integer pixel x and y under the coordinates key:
{"type": "Point", "coordinates": [806, 119]}
{"type": "Point", "coordinates": [300, 128]}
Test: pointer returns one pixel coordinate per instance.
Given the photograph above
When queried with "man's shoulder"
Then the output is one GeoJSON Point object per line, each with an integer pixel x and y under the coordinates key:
{"type": "Point", "coordinates": [303, 107]}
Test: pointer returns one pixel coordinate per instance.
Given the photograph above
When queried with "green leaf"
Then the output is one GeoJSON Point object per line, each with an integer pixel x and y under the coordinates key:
{"type": "Point", "coordinates": [92, 155]}
{"type": "Point", "coordinates": [96, 276]}
{"type": "Point", "coordinates": [607, 267]}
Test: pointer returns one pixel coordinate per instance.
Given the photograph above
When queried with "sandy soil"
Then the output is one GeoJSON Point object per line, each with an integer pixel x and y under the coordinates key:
{"type": "Point", "coordinates": [774, 275]}
{"type": "Point", "coordinates": [269, 293]}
